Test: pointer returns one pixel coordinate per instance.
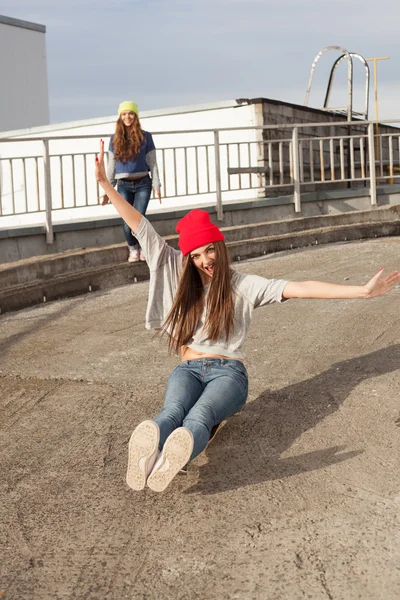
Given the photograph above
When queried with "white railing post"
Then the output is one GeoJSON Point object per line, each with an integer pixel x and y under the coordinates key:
{"type": "Point", "coordinates": [47, 192]}
{"type": "Point", "coordinates": [296, 170]}
{"type": "Point", "coordinates": [371, 158]}
{"type": "Point", "coordinates": [220, 212]}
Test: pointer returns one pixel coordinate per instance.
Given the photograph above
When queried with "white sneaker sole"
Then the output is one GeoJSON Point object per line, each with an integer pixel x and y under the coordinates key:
{"type": "Point", "coordinates": [176, 452]}
{"type": "Point", "coordinates": [142, 445]}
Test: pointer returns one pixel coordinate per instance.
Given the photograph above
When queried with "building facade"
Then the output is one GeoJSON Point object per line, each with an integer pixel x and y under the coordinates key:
{"type": "Point", "coordinates": [24, 98]}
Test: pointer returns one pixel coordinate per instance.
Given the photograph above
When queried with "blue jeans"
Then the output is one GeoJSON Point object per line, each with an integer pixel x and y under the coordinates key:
{"type": "Point", "coordinates": [200, 394]}
{"type": "Point", "coordinates": [137, 192]}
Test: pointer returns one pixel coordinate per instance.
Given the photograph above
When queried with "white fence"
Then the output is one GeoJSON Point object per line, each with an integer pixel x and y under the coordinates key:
{"type": "Point", "coordinates": [211, 165]}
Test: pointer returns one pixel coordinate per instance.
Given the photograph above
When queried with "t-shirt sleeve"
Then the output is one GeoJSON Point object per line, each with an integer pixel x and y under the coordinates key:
{"type": "Point", "coordinates": [261, 291]}
{"type": "Point", "coordinates": [155, 249]}
{"type": "Point", "coordinates": [111, 168]}
{"type": "Point", "coordinates": [151, 161]}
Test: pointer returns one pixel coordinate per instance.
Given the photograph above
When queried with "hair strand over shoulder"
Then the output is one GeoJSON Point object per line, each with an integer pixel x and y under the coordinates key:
{"type": "Point", "coordinates": [185, 314]}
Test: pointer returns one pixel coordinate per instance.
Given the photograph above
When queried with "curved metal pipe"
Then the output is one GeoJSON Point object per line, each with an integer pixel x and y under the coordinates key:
{"type": "Point", "coordinates": [367, 76]}
{"type": "Point", "coordinates": [349, 77]}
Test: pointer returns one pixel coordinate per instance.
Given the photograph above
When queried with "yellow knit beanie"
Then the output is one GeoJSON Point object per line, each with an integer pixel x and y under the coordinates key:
{"type": "Point", "coordinates": [128, 105]}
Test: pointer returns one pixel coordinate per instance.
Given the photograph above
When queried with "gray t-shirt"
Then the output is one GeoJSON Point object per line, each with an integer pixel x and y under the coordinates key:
{"type": "Point", "coordinates": [165, 264]}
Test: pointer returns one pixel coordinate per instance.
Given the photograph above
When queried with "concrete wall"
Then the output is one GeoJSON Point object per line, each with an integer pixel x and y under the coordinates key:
{"type": "Point", "coordinates": [21, 243]}
{"type": "Point", "coordinates": [24, 98]}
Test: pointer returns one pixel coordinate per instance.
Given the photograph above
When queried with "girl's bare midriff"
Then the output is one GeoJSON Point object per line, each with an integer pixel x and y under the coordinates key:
{"type": "Point", "coordinates": [189, 354]}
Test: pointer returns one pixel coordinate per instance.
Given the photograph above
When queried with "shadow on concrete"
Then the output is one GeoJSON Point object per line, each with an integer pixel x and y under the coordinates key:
{"type": "Point", "coordinates": [248, 448]}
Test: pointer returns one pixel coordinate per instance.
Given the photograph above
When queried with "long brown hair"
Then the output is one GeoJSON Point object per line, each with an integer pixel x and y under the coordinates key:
{"type": "Point", "coordinates": [127, 140]}
{"type": "Point", "coordinates": [184, 316]}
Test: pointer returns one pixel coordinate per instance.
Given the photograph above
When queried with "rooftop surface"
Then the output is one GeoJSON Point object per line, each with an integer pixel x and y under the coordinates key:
{"type": "Point", "coordinates": [297, 497]}
{"type": "Point", "coordinates": [23, 24]}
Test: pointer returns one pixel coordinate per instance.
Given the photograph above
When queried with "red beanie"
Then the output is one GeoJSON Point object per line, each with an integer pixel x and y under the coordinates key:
{"type": "Point", "coordinates": [196, 230]}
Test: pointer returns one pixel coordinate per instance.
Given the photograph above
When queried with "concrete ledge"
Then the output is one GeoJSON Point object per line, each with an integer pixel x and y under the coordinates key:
{"type": "Point", "coordinates": [110, 275]}
{"type": "Point", "coordinates": [23, 242]}
{"type": "Point", "coordinates": [45, 267]}
{"type": "Point", "coordinates": [326, 235]}
{"type": "Point", "coordinates": [74, 284]}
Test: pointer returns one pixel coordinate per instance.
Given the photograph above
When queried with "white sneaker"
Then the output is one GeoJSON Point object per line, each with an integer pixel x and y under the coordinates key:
{"type": "Point", "coordinates": [141, 255]}
{"type": "Point", "coordinates": [142, 454]}
{"type": "Point", "coordinates": [175, 454]}
{"type": "Point", "coordinates": [133, 255]}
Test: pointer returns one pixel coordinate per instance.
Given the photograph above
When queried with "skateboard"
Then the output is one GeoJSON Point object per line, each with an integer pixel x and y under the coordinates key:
{"type": "Point", "coordinates": [213, 433]}
{"type": "Point", "coordinates": [215, 430]}
{"type": "Point", "coordinates": [219, 426]}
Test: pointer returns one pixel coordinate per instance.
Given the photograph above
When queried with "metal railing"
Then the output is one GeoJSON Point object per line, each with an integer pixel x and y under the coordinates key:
{"type": "Point", "coordinates": [221, 162]}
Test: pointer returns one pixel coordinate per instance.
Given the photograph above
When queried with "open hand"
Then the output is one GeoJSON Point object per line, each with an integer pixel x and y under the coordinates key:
{"type": "Point", "coordinates": [103, 200]}
{"type": "Point", "coordinates": [381, 284]}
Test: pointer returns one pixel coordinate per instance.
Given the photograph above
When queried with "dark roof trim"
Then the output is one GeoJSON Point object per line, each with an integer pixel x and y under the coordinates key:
{"type": "Point", "coordinates": [296, 106]}
{"type": "Point", "coordinates": [309, 109]}
{"type": "Point", "coordinates": [23, 24]}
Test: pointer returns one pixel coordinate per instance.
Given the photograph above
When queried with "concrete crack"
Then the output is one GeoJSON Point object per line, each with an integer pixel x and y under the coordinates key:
{"type": "Point", "coordinates": [322, 578]}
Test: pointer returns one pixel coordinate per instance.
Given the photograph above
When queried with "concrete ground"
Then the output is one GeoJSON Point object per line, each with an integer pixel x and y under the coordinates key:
{"type": "Point", "coordinates": [298, 497]}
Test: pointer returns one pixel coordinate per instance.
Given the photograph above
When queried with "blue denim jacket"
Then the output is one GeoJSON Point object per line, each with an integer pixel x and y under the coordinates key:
{"type": "Point", "coordinates": [138, 163]}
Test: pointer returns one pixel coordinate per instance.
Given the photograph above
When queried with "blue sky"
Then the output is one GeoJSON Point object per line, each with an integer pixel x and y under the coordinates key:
{"type": "Point", "coordinates": [164, 53]}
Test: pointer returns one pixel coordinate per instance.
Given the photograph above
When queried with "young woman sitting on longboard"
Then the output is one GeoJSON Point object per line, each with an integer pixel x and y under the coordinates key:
{"type": "Point", "coordinates": [205, 307]}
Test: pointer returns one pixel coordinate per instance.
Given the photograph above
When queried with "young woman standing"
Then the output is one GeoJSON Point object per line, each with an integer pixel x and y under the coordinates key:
{"type": "Point", "coordinates": [205, 307]}
{"type": "Point", "coordinates": [131, 155]}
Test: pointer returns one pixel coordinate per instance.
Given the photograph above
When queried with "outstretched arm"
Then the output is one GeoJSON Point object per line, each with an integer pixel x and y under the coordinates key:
{"type": "Point", "coordinates": [379, 284]}
{"type": "Point", "coordinates": [129, 214]}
